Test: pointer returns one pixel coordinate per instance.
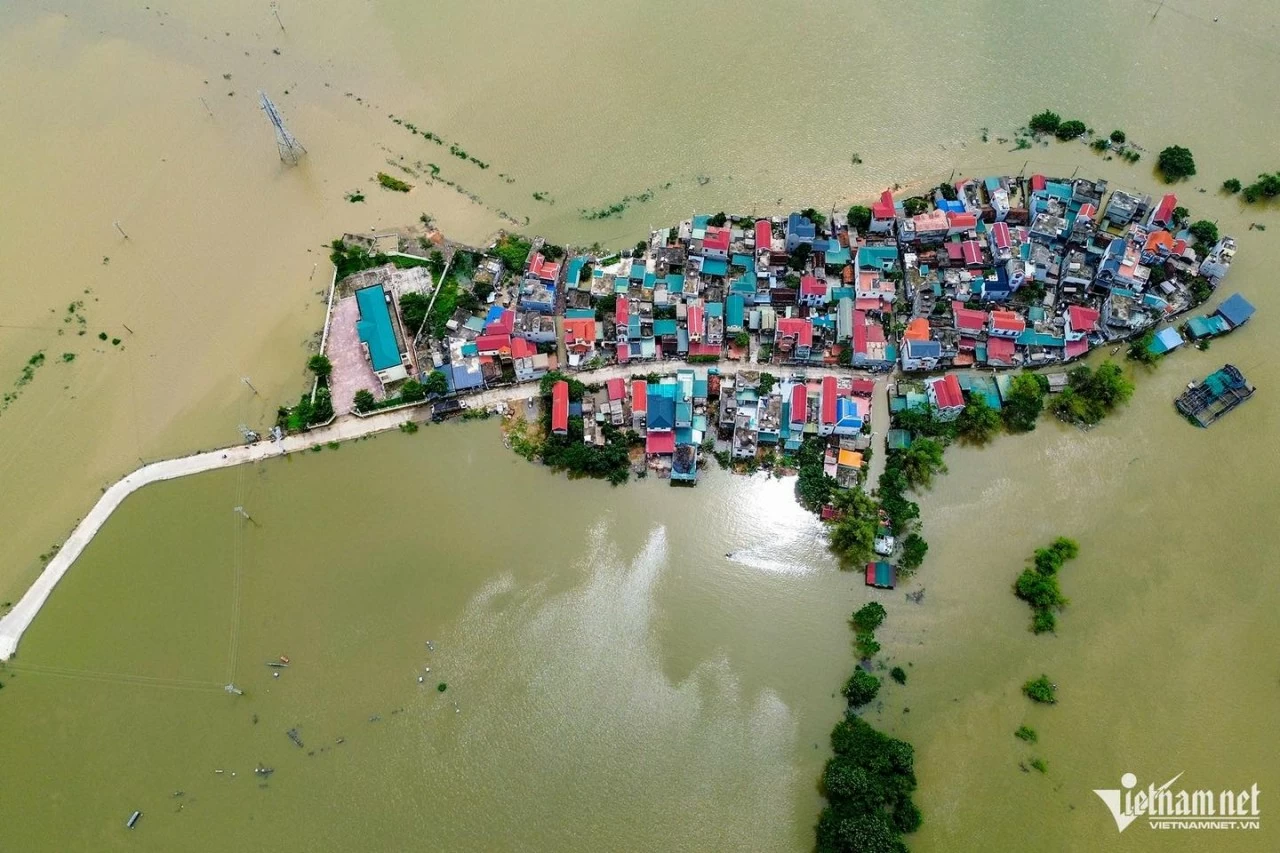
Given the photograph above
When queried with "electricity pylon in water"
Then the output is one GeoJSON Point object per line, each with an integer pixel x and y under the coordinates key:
{"type": "Point", "coordinates": [291, 149]}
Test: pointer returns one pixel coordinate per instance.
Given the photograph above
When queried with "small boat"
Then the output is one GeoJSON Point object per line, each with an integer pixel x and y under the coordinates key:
{"type": "Point", "coordinates": [277, 664]}
{"type": "Point", "coordinates": [293, 736]}
{"type": "Point", "coordinates": [284, 659]}
{"type": "Point", "coordinates": [133, 820]}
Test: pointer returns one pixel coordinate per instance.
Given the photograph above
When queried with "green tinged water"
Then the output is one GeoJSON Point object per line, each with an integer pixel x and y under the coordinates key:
{"type": "Point", "coordinates": [620, 684]}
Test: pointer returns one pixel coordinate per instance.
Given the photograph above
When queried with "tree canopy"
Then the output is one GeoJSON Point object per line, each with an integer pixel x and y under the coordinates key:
{"type": "Point", "coordinates": [1025, 403]}
{"type": "Point", "coordinates": [1072, 129]}
{"type": "Point", "coordinates": [1205, 232]}
{"type": "Point", "coordinates": [1176, 162]}
{"type": "Point", "coordinates": [320, 366]}
{"type": "Point", "coordinates": [861, 688]}
{"type": "Point", "coordinates": [436, 383]}
{"type": "Point", "coordinates": [1045, 122]}
{"type": "Point", "coordinates": [868, 784]}
{"type": "Point", "coordinates": [860, 217]}
{"type": "Point", "coordinates": [978, 422]}
{"type": "Point", "coordinates": [1090, 395]}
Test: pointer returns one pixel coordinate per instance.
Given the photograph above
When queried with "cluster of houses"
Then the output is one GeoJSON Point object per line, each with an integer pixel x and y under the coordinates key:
{"type": "Point", "coordinates": [746, 412]}
{"type": "Point", "coordinates": [1002, 272]}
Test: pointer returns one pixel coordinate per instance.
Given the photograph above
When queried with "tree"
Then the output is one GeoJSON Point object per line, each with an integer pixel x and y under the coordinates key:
{"type": "Point", "coordinates": [1025, 403]}
{"type": "Point", "coordinates": [859, 217]}
{"type": "Point", "coordinates": [436, 384]}
{"type": "Point", "coordinates": [413, 308]}
{"type": "Point", "coordinates": [1041, 690]}
{"type": "Point", "coordinates": [1072, 129]}
{"type": "Point", "coordinates": [914, 549]}
{"type": "Point", "coordinates": [718, 220]}
{"type": "Point", "coordinates": [1205, 232]}
{"type": "Point", "coordinates": [1180, 214]}
{"type": "Point", "coordinates": [322, 409]}
{"type": "Point", "coordinates": [1140, 350]}
{"type": "Point", "coordinates": [800, 257]}
{"type": "Point", "coordinates": [921, 461]}
{"type": "Point", "coordinates": [814, 216]}
{"type": "Point", "coordinates": [1118, 137]}
{"type": "Point", "coordinates": [868, 617]}
{"type": "Point", "coordinates": [978, 422]}
{"type": "Point", "coordinates": [742, 340]}
{"type": "Point", "coordinates": [412, 391]}
{"type": "Point", "coordinates": [320, 366]}
{"type": "Point", "coordinates": [948, 191]}
{"type": "Point", "coordinates": [513, 252]}
{"type": "Point", "coordinates": [861, 688]}
{"type": "Point", "coordinates": [854, 535]}
{"type": "Point", "coordinates": [898, 674]}
{"type": "Point", "coordinates": [1231, 185]}
{"type": "Point", "coordinates": [1045, 122]}
{"type": "Point", "coordinates": [767, 381]}
{"type": "Point", "coordinates": [914, 206]}
{"type": "Point", "coordinates": [1090, 394]}
{"type": "Point", "coordinates": [1175, 163]}
{"type": "Point", "coordinates": [364, 401]}
{"type": "Point", "coordinates": [868, 784]}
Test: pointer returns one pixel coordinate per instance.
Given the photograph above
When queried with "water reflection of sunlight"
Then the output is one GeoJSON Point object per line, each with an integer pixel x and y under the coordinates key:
{"type": "Point", "coordinates": [777, 535]}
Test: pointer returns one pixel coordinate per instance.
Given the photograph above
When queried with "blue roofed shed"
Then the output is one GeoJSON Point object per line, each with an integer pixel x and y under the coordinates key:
{"type": "Point", "coordinates": [375, 329]}
{"type": "Point", "coordinates": [1236, 310]}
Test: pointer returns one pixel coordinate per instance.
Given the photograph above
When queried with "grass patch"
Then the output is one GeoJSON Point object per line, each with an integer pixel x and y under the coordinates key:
{"type": "Point", "coordinates": [1027, 734]}
{"type": "Point", "coordinates": [392, 183]}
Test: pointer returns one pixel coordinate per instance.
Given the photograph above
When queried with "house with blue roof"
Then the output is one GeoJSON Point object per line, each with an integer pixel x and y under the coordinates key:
{"type": "Point", "coordinates": [921, 355]}
{"type": "Point", "coordinates": [1165, 340]}
{"type": "Point", "coordinates": [799, 230]}
{"type": "Point", "coordinates": [378, 335]}
{"type": "Point", "coordinates": [1236, 310]}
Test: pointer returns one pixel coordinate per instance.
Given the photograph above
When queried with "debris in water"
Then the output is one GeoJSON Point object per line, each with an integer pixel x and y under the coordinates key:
{"type": "Point", "coordinates": [133, 819]}
{"type": "Point", "coordinates": [293, 736]}
{"type": "Point", "coordinates": [375, 718]}
{"type": "Point", "coordinates": [341, 740]}
{"type": "Point", "coordinates": [264, 772]}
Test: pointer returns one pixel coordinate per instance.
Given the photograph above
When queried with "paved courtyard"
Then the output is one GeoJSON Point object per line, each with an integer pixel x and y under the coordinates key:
{"type": "Point", "coordinates": [351, 370]}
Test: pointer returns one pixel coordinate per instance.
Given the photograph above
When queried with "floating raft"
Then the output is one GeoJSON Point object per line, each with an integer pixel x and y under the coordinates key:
{"type": "Point", "coordinates": [1219, 393]}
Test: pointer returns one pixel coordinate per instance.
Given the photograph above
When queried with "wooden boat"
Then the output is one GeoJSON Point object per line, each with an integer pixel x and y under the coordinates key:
{"type": "Point", "coordinates": [133, 820]}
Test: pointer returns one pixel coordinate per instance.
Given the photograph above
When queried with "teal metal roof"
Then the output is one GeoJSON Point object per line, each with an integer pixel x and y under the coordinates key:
{"type": "Point", "coordinates": [837, 257]}
{"type": "Point", "coordinates": [374, 328]}
{"type": "Point", "coordinates": [580, 314]}
{"type": "Point", "coordinates": [675, 282]}
{"type": "Point", "coordinates": [743, 261]}
{"type": "Point", "coordinates": [664, 327]}
{"type": "Point", "coordinates": [735, 310]}
{"type": "Point", "coordinates": [1039, 339]}
{"type": "Point", "coordinates": [715, 309]}
{"type": "Point", "coordinates": [714, 266]}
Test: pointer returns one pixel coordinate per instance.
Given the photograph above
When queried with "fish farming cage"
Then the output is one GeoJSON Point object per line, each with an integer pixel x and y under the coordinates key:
{"type": "Point", "coordinates": [1219, 393]}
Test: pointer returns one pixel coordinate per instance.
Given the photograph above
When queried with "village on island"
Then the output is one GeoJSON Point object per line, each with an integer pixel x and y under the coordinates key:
{"type": "Point", "coordinates": [757, 340]}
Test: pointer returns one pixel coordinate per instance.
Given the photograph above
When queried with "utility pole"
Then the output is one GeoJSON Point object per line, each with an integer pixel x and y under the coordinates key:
{"type": "Point", "coordinates": [206, 107]}
{"type": "Point", "coordinates": [121, 230]}
{"type": "Point", "coordinates": [275, 10]}
{"type": "Point", "coordinates": [245, 380]}
{"type": "Point", "coordinates": [241, 511]}
{"type": "Point", "coordinates": [291, 149]}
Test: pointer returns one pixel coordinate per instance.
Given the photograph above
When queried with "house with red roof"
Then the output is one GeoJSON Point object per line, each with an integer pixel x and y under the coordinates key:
{"type": "Point", "coordinates": [1006, 324]}
{"type": "Point", "coordinates": [1000, 352]}
{"type": "Point", "coordinates": [883, 214]}
{"type": "Point", "coordinates": [799, 415]}
{"type": "Point", "coordinates": [1161, 215]}
{"type": "Point", "coordinates": [616, 389]}
{"type": "Point", "coordinates": [968, 321]}
{"type": "Point", "coordinates": [971, 251]}
{"type": "Point", "coordinates": [503, 324]}
{"type": "Point", "coordinates": [639, 404]}
{"type": "Point", "coordinates": [1001, 241]}
{"type": "Point", "coordinates": [958, 223]}
{"type": "Point", "coordinates": [863, 387]}
{"type": "Point", "coordinates": [945, 396]}
{"type": "Point", "coordinates": [1081, 321]}
{"type": "Point", "coordinates": [928, 228]}
{"type": "Point", "coordinates": [716, 243]}
{"type": "Point", "coordinates": [560, 408]}
{"type": "Point", "coordinates": [494, 345]}
{"type": "Point", "coordinates": [764, 247]}
{"type": "Point", "coordinates": [793, 338]}
{"type": "Point", "coordinates": [814, 291]}
{"type": "Point", "coordinates": [695, 322]}
{"type": "Point", "coordinates": [529, 364]}
{"type": "Point", "coordinates": [579, 340]}
{"type": "Point", "coordinates": [542, 269]}
{"type": "Point", "coordinates": [827, 406]}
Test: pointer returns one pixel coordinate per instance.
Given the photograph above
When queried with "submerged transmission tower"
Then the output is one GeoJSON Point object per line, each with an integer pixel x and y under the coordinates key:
{"type": "Point", "coordinates": [291, 150]}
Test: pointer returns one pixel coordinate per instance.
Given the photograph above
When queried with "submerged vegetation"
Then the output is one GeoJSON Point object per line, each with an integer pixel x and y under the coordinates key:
{"type": "Point", "coordinates": [390, 183]}
{"type": "Point", "coordinates": [1091, 395]}
{"type": "Point", "coordinates": [1041, 690]}
{"type": "Point", "coordinates": [1176, 163]}
{"type": "Point", "coordinates": [1038, 584]}
{"type": "Point", "coordinates": [869, 779]}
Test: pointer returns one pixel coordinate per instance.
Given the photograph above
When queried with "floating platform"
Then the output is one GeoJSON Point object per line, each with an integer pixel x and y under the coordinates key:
{"type": "Point", "coordinates": [1220, 392]}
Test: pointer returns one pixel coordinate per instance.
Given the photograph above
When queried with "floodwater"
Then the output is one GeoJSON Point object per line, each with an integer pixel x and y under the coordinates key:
{"type": "Point", "coordinates": [620, 683]}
